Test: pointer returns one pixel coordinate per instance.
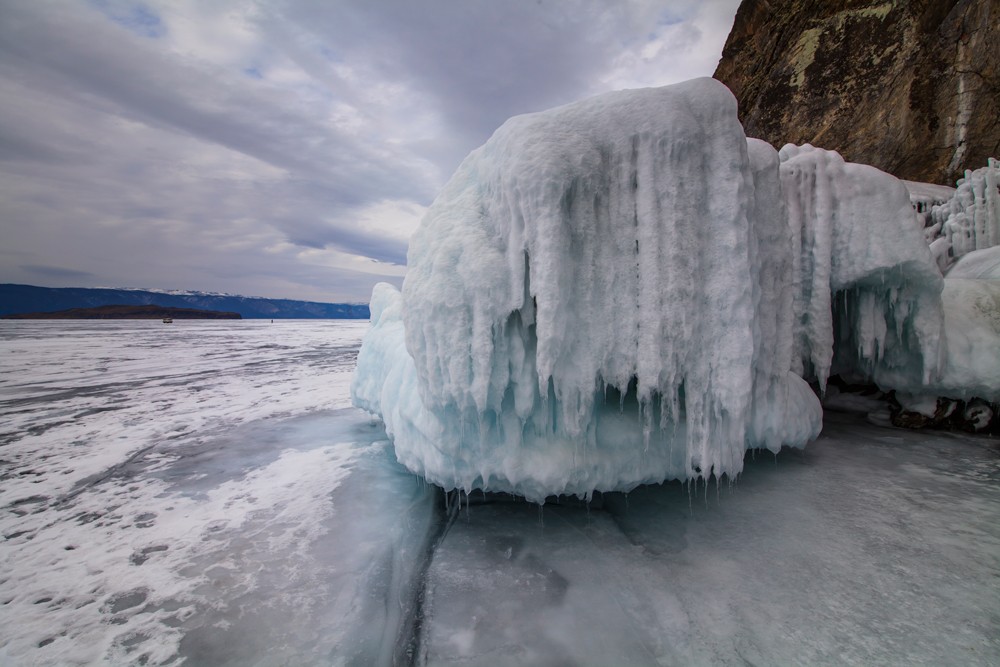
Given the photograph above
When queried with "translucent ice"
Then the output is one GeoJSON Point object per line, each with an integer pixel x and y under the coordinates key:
{"type": "Point", "coordinates": [597, 299]}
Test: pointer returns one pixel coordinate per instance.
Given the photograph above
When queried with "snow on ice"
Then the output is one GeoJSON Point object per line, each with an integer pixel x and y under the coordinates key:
{"type": "Point", "coordinates": [626, 290]}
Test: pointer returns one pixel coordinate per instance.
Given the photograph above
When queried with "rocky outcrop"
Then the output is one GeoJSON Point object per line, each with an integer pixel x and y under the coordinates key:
{"type": "Point", "coordinates": [909, 86]}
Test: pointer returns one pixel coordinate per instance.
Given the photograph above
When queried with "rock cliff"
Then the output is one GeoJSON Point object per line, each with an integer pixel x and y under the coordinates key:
{"type": "Point", "coordinates": [909, 86]}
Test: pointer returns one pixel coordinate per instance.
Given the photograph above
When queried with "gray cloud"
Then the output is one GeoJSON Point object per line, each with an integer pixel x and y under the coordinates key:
{"type": "Point", "coordinates": [57, 272]}
{"type": "Point", "coordinates": [240, 148]}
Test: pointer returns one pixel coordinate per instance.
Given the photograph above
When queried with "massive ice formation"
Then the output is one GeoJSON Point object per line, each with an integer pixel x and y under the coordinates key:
{"type": "Point", "coordinates": [594, 301]}
{"type": "Point", "coordinates": [869, 299]}
{"type": "Point", "coordinates": [627, 290]}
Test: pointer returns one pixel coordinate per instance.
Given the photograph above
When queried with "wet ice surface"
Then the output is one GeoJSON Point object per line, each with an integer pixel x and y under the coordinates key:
{"type": "Point", "coordinates": [201, 493]}
{"type": "Point", "coordinates": [873, 546]}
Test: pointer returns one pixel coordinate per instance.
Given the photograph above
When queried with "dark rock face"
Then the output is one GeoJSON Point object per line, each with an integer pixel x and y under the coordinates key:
{"type": "Point", "coordinates": [909, 86]}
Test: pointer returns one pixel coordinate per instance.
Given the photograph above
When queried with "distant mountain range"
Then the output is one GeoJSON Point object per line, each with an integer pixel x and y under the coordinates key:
{"type": "Point", "coordinates": [126, 313]}
{"type": "Point", "coordinates": [16, 299]}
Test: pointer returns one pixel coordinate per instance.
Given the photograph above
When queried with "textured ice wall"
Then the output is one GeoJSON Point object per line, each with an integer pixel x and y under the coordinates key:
{"type": "Point", "coordinates": [596, 300]}
{"type": "Point", "coordinates": [869, 295]}
{"type": "Point", "coordinates": [971, 219]}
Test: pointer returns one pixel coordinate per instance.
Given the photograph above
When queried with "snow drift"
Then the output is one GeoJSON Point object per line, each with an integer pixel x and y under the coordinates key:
{"type": "Point", "coordinates": [626, 290]}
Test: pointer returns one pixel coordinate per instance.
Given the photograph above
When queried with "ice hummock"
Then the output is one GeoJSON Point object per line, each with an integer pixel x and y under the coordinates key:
{"type": "Point", "coordinates": [583, 308]}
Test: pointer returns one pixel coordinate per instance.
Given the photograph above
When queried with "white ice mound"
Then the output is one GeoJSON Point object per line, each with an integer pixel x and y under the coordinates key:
{"type": "Point", "coordinates": [978, 264]}
{"type": "Point", "coordinates": [868, 302]}
{"type": "Point", "coordinates": [972, 317]}
{"type": "Point", "coordinates": [600, 297]}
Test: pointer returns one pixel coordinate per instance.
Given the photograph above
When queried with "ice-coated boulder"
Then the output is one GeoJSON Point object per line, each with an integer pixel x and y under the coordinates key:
{"type": "Point", "coordinates": [600, 297]}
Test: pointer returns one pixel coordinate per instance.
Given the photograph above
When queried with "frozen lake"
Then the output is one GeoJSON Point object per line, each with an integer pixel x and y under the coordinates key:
{"type": "Point", "coordinates": [202, 493]}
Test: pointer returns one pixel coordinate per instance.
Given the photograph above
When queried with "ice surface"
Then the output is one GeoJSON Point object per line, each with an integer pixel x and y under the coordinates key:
{"type": "Point", "coordinates": [189, 493]}
{"type": "Point", "coordinates": [869, 288]}
{"type": "Point", "coordinates": [871, 546]}
{"type": "Point", "coordinates": [583, 306]}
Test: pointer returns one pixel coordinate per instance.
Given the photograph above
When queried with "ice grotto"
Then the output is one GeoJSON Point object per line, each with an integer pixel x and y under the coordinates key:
{"type": "Point", "coordinates": [627, 290]}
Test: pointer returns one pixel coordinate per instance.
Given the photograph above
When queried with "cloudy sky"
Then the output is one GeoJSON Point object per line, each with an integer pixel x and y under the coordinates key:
{"type": "Point", "coordinates": [284, 148]}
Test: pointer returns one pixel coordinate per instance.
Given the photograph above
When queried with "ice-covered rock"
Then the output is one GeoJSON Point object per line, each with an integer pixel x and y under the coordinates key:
{"type": "Point", "coordinates": [596, 300]}
{"type": "Point", "coordinates": [868, 301]}
{"type": "Point", "coordinates": [979, 414]}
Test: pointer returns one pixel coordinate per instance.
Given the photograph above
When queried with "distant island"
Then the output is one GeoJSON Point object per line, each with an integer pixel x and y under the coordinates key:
{"type": "Point", "coordinates": [15, 299]}
{"type": "Point", "coordinates": [117, 312]}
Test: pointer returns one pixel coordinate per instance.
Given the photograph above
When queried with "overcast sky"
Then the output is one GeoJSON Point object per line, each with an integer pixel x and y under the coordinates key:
{"type": "Point", "coordinates": [284, 148]}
